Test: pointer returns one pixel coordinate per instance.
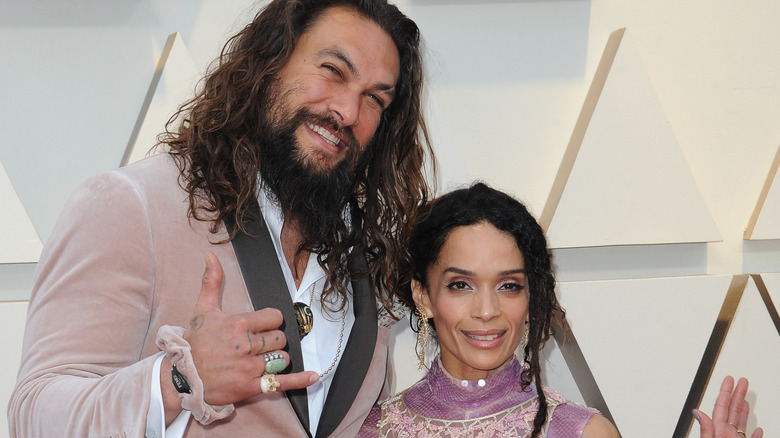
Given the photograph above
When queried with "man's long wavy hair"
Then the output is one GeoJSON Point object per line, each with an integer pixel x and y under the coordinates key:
{"type": "Point", "coordinates": [482, 204]}
{"type": "Point", "coordinates": [219, 160]}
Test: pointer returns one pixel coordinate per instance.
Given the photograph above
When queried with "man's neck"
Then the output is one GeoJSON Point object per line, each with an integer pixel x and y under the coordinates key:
{"type": "Point", "coordinates": [291, 241]}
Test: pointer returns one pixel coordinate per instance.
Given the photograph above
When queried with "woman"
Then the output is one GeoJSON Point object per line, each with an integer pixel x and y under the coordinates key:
{"type": "Point", "coordinates": [481, 277]}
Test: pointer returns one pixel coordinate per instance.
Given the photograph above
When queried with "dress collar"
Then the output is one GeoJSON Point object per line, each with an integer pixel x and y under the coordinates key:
{"type": "Point", "coordinates": [470, 394]}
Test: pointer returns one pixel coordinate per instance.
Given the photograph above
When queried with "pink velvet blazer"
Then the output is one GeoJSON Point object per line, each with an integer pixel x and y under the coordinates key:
{"type": "Point", "coordinates": [125, 259]}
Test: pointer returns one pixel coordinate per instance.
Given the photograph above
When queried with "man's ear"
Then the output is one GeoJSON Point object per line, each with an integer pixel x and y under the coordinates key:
{"type": "Point", "coordinates": [421, 298]}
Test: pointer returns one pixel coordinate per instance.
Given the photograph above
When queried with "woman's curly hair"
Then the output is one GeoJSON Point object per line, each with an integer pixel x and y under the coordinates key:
{"type": "Point", "coordinates": [213, 139]}
{"type": "Point", "coordinates": [482, 204]}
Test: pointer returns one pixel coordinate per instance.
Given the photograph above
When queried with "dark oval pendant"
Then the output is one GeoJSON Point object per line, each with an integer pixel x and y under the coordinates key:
{"type": "Point", "coordinates": [304, 317]}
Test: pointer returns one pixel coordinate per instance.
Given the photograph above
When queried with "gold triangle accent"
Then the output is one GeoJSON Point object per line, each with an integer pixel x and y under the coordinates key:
{"type": "Point", "coordinates": [580, 128]}
{"type": "Point", "coordinates": [751, 227]}
{"type": "Point", "coordinates": [578, 366]}
{"type": "Point", "coordinates": [711, 352]}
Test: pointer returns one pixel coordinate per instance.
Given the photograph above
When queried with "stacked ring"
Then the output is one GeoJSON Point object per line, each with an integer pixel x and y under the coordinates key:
{"type": "Point", "coordinates": [268, 383]}
{"type": "Point", "coordinates": [274, 362]}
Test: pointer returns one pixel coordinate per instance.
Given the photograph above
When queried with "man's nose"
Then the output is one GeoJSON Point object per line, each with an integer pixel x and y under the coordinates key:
{"type": "Point", "coordinates": [346, 107]}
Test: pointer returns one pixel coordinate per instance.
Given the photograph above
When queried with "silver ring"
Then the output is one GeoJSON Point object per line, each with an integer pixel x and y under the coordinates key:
{"type": "Point", "coordinates": [274, 362]}
{"type": "Point", "coordinates": [272, 355]}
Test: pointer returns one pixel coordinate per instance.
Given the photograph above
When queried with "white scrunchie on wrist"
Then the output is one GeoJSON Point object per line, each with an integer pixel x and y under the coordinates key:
{"type": "Point", "coordinates": [178, 351]}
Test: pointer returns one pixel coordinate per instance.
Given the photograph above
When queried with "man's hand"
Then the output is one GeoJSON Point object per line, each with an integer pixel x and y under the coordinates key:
{"type": "Point", "coordinates": [228, 350]}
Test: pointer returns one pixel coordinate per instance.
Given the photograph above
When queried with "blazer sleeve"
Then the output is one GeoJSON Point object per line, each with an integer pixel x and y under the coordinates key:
{"type": "Point", "coordinates": [83, 371]}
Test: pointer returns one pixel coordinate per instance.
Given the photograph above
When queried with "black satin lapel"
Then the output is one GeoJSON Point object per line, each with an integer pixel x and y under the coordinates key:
{"type": "Point", "coordinates": [267, 288]}
{"type": "Point", "coordinates": [358, 353]}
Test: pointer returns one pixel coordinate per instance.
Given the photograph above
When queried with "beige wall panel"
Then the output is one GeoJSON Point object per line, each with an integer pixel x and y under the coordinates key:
{"type": "Point", "coordinates": [404, 358]}
{"type": "Point", "coordinates": [506, 77]}
{"type": "Point", "coordinates": [557, 375]}
{"type": "Point", "coordinates": [629, 182]}
{"type": "Point", "coordinates": [173, 83]}
{"type": "Point", "coordinates": [453, 168]}
{"type": "Point", "coordinates": [752, 350]}
{"type": "Point", "coordinates": [19, 242]}
{"type": "Point", "coordinates": [643, 340]}
{"type": "Point", "coordinates": [12, 319]}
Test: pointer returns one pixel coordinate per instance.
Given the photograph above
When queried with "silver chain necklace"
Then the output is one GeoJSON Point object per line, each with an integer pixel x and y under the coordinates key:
{"type": "Point", "coordinates": [305, 317]}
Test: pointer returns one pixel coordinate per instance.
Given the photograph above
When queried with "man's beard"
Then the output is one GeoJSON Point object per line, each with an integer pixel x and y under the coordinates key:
{"type": "Point", "coordinates": [315, 198]}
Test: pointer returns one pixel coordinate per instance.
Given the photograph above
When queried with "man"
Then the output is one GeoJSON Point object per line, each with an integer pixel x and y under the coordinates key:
{"type": "Point", "coordinates": [295, 171]}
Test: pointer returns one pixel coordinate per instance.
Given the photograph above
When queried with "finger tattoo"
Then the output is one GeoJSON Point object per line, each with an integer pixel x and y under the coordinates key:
{"type": "Point", "coordinates": [250, 343]}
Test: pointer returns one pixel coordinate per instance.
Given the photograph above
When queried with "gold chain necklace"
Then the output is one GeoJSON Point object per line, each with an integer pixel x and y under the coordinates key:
{"type": "Point", "coordinates": [305, 319]}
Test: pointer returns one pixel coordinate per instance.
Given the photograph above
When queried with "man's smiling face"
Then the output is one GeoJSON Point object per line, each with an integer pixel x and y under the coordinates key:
{"type": "Point", "coordinates": [339, 79]}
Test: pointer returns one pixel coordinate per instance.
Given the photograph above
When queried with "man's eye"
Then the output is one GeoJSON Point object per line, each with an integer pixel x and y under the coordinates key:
{"type": "Point", "coordinates": [332, 69]}
{"type": "Point", "coordinates": [378, 100]}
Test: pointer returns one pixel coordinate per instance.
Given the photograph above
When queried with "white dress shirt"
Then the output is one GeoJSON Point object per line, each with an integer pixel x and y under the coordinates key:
{"type": "Point", "coordinates": [319, 347]}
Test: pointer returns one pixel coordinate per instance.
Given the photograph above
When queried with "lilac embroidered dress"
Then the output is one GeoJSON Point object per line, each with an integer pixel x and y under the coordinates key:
{"type": "Point", "coordinates": [441, 406]}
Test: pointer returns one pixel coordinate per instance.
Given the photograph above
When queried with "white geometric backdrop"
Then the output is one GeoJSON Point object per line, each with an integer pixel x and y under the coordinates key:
{"type": "Point", "coordinates": [692, 88]}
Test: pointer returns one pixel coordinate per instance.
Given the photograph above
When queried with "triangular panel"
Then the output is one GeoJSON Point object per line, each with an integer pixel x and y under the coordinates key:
{"type": "Point", "coordinates": [19, 242]}
{"type": "Point", "coordinates": [623, 179]}
{"type": "Point", "coordinates": [173, 83]}
{"type": "Point", "coordinates": [751, 344]}
{"type": "Point", "coordinates": [557, 374]}
{"type": "Point", "coordinates": [656, 328]}
{"type": "Point", "coordinates": [765, 221]}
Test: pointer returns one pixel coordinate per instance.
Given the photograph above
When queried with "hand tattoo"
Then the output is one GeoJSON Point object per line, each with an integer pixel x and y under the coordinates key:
{"type": "Point", "coordinates": [196, 322]}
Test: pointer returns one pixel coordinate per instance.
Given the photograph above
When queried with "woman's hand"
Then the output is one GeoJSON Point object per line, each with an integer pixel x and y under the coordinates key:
{"type": "Point", "coordinates": [729, 418]}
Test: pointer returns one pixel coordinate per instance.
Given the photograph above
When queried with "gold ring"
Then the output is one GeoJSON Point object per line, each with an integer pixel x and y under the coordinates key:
{"type": "Point", "coordinates": [268, 383]}
{"type": "Point", "coordinates": [739, 431]}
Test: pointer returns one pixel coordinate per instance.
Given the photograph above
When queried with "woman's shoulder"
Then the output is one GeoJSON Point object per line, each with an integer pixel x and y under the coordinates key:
{"type": "Point", "coordinates": [569, 418]}
{"type": "Point", "coordinates": [599, 427]}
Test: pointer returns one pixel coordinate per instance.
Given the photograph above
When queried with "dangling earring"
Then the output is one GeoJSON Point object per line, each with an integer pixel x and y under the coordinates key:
{"type": "Point", "coordinates": [423, 336]}
{"type": "Point", "coordinates": [524, 344]}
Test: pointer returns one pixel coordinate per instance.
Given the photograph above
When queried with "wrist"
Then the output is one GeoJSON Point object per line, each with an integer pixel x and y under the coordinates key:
{"type": "Point", "coordinates": [170, 396]}
{"type": "Point", "coordinates": [179, 382]}
{"type": "Point", "coordinates": [177, 351]}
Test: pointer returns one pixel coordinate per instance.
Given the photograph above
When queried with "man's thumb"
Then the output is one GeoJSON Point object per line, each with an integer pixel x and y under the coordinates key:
{"type": "Point", "coordinates": [211, 286]}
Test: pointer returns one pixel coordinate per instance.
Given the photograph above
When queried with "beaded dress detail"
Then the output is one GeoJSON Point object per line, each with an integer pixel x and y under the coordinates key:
{"type": "Point", "coordinates": [441, 406]}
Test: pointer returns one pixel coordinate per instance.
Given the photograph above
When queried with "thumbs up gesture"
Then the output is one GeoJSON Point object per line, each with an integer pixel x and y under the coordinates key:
{"type": "Point", "coordinates": [230, 350]}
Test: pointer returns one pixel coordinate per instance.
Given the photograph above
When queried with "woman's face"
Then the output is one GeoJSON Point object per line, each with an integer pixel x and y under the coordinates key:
{"type": "Point", "coordinates": [477, 296]}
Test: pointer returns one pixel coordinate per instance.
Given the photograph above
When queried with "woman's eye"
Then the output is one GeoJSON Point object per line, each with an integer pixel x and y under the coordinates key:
{"type": "Point", "coordinates": [458, 285]}
{"type": "Point", "coordinates": [512, 287]}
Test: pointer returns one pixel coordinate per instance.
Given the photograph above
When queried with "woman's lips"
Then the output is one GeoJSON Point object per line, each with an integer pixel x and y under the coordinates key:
{"type": "Point", "coordinates": [485, 339]}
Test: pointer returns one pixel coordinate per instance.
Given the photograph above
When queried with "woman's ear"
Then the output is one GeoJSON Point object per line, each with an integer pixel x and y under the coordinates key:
{"type": "Point", "coordinates": [421, 298]}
